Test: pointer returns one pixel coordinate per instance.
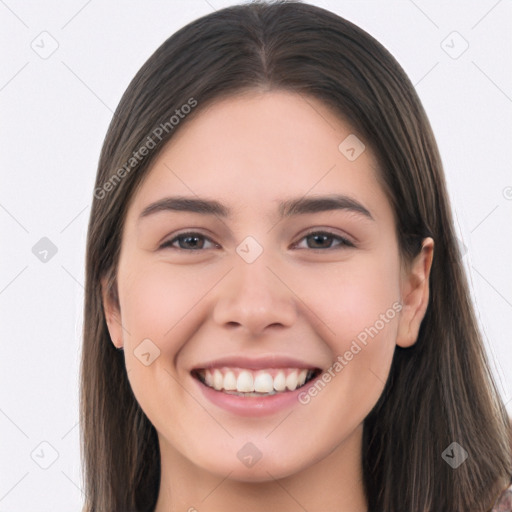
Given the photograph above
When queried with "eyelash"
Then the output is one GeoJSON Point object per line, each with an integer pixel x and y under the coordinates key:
{"type": "Point", "coordinates": [344, 242]}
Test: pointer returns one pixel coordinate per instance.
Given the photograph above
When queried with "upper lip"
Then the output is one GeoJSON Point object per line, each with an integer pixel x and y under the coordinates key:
{"type": "Point", "coordinates": [256, 363]}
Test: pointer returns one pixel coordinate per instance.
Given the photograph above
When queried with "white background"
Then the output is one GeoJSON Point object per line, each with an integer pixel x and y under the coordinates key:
{"type": "Point", "coordinates": [54, 115]}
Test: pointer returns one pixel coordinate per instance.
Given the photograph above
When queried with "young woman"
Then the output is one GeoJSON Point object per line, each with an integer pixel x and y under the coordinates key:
{"type": "Point", "coordinates": [276, 313]}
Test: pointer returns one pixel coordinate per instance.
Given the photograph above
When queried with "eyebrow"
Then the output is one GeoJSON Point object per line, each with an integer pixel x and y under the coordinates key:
{"type": "Point", "coordinates": [288, 208]}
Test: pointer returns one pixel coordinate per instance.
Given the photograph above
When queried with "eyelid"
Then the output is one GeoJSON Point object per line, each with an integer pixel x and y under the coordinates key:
{"type": "Point", "coordinates": [167, 243]}
{"type": "Point", "coordinates": [345, 241]}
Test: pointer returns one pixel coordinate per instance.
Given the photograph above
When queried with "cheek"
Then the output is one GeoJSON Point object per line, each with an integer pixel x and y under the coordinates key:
{"type": "Point", "coordinates": [157, 298]}
{"type": "Point", "coordinates": [360, 304]}
{"type": "Point", "coordinates": [156, 304]}
{"type": "Point", "coordinates": [355, 294]}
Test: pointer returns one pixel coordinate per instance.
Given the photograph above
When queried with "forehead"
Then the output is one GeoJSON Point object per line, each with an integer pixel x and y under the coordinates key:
{"type": "Point", "coordinates": [253, 150]}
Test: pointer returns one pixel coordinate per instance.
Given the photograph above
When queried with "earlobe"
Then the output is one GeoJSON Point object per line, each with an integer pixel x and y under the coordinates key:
{"type": "Point", "coordinates": [112, 312]}
{"type": "Point", "coordinates": [415, 295]}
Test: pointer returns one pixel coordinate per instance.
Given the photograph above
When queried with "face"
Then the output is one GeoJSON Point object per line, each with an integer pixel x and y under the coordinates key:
{"type": "Point", "coordinates": [291, 271]}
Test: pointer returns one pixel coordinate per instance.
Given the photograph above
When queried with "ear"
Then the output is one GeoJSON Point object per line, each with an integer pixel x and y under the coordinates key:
{"type": "Point", "coordinates": [414, 290]}
{"type": "Point", "coordinates": [112, 311]}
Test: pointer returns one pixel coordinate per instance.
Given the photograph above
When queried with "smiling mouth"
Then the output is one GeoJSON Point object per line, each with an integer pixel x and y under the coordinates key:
{"type": "Point", "coordinates": [246, 382]}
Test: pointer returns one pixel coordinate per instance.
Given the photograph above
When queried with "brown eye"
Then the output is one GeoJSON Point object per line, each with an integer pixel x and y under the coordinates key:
{"type": "Point", "coordinates": [187, 241]}
{"type": "Point", "coordinates": [324, 240]}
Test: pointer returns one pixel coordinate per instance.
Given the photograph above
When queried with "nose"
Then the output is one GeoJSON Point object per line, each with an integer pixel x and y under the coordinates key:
{"type": "Point", "coordinates": [254, 297]}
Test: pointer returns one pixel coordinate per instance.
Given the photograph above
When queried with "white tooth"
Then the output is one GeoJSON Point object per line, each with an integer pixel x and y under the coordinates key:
{"type": "Point", "coordinates": [230, 381]}
{"type": "Point", "coordinates": [291, 380]}
{"type": "Point", "coordinates": [208, 378]}
{"type": "Point", "coordinates": [263, 383]}
{"type": "Point", "coordinates": [280, 381]}
{"type": "Point", "coordinates": [245, 382]}
{"type": "Point", "coordinates": [218, 380]}
{"type": "Point", "coordinates": [302, 377]}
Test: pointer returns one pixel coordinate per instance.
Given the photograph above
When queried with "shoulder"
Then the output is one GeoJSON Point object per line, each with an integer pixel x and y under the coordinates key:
{"type": "Point", "coordinates": [504, 502]}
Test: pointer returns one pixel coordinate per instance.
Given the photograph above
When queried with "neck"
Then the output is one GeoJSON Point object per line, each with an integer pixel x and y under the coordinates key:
{"type": "Point", "coordinates": [332, 483]}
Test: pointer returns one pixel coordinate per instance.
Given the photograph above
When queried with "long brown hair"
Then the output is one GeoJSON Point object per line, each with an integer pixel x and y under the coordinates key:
{"type": "Point", "coordinates": [439, 391]}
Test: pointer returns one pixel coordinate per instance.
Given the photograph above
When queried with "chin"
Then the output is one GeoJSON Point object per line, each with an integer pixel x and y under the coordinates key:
{"type": "Point", "coordinates": [266, 469]}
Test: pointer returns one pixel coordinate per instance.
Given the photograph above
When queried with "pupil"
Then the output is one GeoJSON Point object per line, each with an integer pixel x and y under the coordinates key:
{"type": "Point", "coordinates": [317, 237]}
{"type": "Point", "coordinates": [188, 239]}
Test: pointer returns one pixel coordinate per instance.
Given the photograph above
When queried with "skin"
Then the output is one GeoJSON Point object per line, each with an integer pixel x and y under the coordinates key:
{"type": "Point", "coordinates": [249, 152]}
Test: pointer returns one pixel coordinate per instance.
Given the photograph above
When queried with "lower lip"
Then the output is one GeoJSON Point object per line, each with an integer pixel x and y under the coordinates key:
{"type": "Point", "coordinates": [253, 405]}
